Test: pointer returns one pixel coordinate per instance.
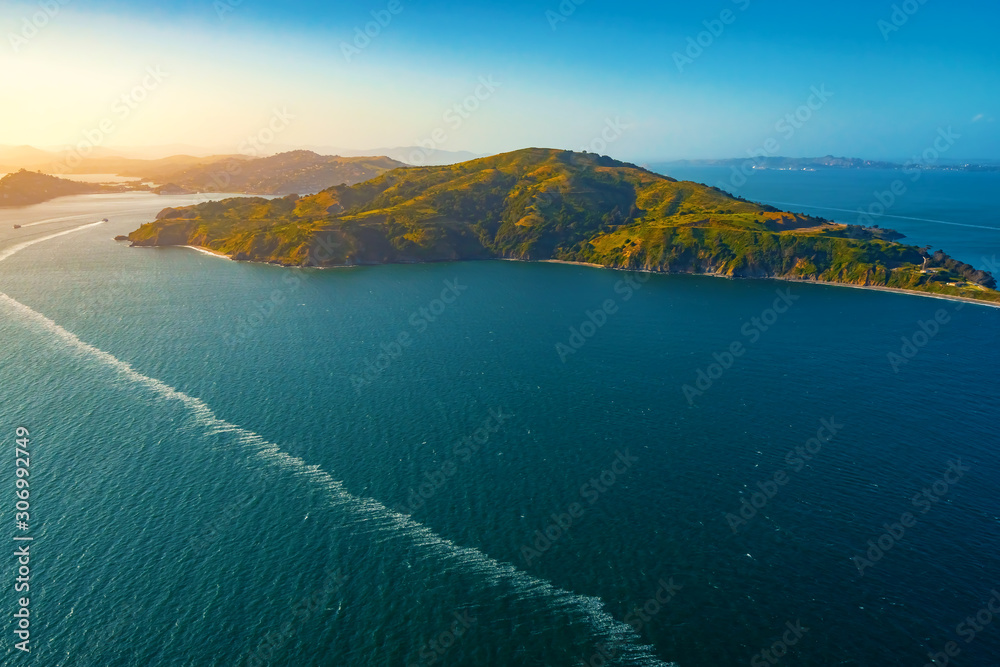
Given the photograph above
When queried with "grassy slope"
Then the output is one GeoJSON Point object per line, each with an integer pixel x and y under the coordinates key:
{"type": "Point", "coordinates": [549, 204]}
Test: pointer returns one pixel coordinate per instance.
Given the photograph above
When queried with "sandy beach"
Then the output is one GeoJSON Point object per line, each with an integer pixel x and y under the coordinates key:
{"type": "Point", "coordinates": [208, 252]}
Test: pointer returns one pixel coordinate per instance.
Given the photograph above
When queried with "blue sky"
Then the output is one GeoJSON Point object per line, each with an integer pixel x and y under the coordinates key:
{"type": "Point", "coordinates": [600, 74]}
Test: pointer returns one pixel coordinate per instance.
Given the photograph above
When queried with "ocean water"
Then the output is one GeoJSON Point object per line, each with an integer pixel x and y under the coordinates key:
{"type": "Point", "coordinates": [949, 210]}
{"type": "Point", "coordinates": [237, 464]}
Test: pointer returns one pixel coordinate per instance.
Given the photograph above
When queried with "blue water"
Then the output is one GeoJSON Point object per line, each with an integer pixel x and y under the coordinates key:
{"type": "Point", "coordinates": [950, 210]}
{"type": "Point", "coordinates": [238, 493]}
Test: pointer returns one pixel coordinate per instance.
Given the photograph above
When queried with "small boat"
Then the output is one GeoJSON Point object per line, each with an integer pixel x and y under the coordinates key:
{"type": "Point", "coordinates": [17, 226]}
{"type": "Point", "coordinates": [104, 220]}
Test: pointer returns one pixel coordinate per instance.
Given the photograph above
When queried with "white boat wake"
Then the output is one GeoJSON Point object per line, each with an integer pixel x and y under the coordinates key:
{"type": "Point", "coordinates": [365, 513]}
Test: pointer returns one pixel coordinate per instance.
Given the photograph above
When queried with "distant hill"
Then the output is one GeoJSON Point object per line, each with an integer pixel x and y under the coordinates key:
{"type": "Point", "coordinates": [412, 155]}
{"type": "Point", "coordinates": [23, 188]}
{"type": "Point", "coordinates": [151, 170]}
{"type": "Point", "coordinates": [419, 156]}
{"type": "Point", "coordinates": [107, 161]}
{"type": "Point", "coordinates": [826, 162]}
{"type": "Point", "coordinates": [538, 204]}
{"type": "Point", "coordinates": [13, 158]}
{"type": "Point", "coordinates": [59, 163]}
{"type": "Point", "coordinates": [295, 172]}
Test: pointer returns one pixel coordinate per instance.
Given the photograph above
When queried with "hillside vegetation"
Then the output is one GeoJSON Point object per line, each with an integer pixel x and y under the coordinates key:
{"type": "Point", "coordinates": [538, 204]}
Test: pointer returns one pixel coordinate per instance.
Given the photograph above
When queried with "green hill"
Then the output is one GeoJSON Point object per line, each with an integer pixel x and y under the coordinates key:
{"type": "Point", "coordinates": [537, 204]}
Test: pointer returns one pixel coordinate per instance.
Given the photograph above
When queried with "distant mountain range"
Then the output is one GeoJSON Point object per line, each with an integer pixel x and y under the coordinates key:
{"type": "Point", "coordinates": [828, 162]}
{"type": "Point", "coordinates": [297, 172]}
{"type": "Point", "coordinates": [176, 158]}
{"type": "Point", "coordinates": [133, 161]}
{"type": "Point", "coordinates": [413, 155]}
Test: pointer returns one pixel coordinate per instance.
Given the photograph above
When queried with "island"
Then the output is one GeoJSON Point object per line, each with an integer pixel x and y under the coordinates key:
{"type": "Point", "coordinates": [23, 188]}
{"type": "Point", "coordinates": [547, 204]}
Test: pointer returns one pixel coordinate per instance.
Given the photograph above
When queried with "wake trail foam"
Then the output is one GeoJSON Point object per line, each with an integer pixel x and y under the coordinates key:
{"type": "Point", "coordinates": [7, 252]}
{"type": "Point", "coordinates": [375, 516]}
{"type": "Point", "coordinates": [111, 212]}
{"type": "Point", "coordinates": [62, 219]}
{"type": "Point", "coordinates": [367, 512]}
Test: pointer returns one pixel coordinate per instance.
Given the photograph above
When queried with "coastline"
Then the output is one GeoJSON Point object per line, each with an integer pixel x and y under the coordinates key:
{"type": "Point", "coordinates": [876, 288]}
{"type": "Point", "coordinates": [563, 261]}
{"type": "Point", "coordinates": [896, 290]}
{"type": "Point", "coordinates": [213, 253]}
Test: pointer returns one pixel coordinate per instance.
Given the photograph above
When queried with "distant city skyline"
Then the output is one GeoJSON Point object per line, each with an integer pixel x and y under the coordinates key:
{"type": "Point", "coordinates": [637, 81]}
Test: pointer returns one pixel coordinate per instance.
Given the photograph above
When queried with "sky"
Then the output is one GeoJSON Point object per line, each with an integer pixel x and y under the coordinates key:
{"type": "Point", "coordinates": [640, 81]}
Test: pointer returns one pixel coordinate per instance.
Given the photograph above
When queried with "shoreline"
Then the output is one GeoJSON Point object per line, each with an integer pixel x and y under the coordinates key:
{"type": "Point", "coordinates": [207, 251]}
{"type": "Point", "coordinates": [896, 290]}
{"type": "Point", "coordinates": [563, 261]}
{"type": "Point", "coordinates": [876, 288]}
